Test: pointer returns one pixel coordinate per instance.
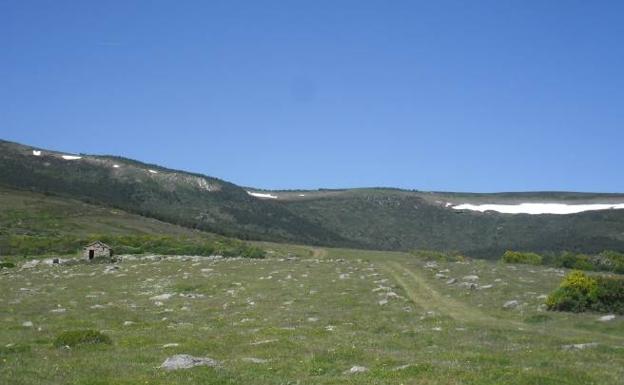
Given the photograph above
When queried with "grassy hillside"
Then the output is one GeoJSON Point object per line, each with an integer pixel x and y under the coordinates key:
{"type": "Point", "coordinates": [378, 218]}
{"type": "Point", "coordinates": [308, 320]}
{"type": "Point", "coordinates": [400, 220]}
{"type": "Point", "coordinates": [38, 224]}
{"type": "Point", "coordinates": [189, 200]}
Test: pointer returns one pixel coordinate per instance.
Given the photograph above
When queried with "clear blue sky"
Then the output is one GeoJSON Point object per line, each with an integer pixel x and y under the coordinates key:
{"type": "Point", "coordinates": [432, 95]}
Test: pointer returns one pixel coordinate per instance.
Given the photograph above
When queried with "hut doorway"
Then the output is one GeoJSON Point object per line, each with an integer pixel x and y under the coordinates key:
{"type": "Point", "coordinates": [91, 254]}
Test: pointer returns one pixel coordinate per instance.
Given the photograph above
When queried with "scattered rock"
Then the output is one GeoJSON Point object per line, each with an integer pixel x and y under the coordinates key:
{"type": "Point", "coordinates": [161, 297]}
{"type": "Point", "coordinates": [27, 324]}
{"type": "Point", "coordinates": [185, 361]}
{"type": "Point", "coordinates": [254, 360]}
{"type": "Point", "coordinates": [579, 346]}
{"type": "Point", "coordinates": [485, 287]}
{"type": "Point", "coordinates": [451, 281]}
{"type": "Point", "coordinates": [128, 323]}
{"type": "Point", "coordinates": [468, 285]}
{"type": "Point", "coordinates": [110, 269]}
{"type": "Point", "coordinates": [440, 276]}
{"type": "Point", "coordinates": [607, 318]}
{"type": "Point", "coordinates": [30, 264]}
{"type": "Point", "coordinates": [171, 345]}
{"type": "Point", "coordinates": [471, 278]}
{"type": "Point", "coordinates": [357, 369]}
{"type": "Point", "coordinates": [59, 310]}
{"type": "Point", "coordinates": [511, 304]}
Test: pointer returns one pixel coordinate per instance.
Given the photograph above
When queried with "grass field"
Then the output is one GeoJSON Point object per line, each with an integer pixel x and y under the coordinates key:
{"type": "Point", "coordinates": [304, 319]}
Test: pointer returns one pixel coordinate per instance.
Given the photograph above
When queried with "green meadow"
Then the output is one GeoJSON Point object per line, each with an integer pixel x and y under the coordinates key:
{"type": "Point", "coordinates": [301, 316]}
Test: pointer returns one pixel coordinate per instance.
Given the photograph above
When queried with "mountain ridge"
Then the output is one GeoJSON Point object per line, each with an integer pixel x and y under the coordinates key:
{"type": "Point", "coordinates": [372, 218]}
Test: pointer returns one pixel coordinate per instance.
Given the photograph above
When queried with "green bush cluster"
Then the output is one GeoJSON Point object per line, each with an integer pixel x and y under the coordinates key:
{"type": "Point", "coordinates": [520, 257]}
{"type": "Point", "coordinates": [7, 265]}
{"type": "Point", "coordinates": [580, 292]}
{"type": "Point", "coordinates": [81, 337]}
{"type": "Point", "coordinates": [131, 244]}
{"type": "Point", "coordinates": [610, 261]}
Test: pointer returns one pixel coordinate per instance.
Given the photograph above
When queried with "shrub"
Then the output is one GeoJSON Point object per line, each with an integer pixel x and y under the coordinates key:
{"type": "Point", "coordinates": [579, 292]}
{"type": "Point", "coordinates": [520, 257]}
{"type": "Point", "coordinates": [7, 265]}
{"type": "Point", "coordinates": [81, 337]}
{"type": "Point", "coordinates": [610, 296]}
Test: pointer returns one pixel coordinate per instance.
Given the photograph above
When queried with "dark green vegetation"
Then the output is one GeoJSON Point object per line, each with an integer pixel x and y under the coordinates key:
{"type": "Point", "coordinates": [520, 257]}
{"type": "Point", "coordinates": [609, 261]}
{"type": "Point", "coordinates": [189, 200]}
{"type": "Point", "coordinates": [580, 292]}
{"type": "Point", "coordinates": [36, 224]}
{"type": "Point", "coordinates": [74, 338]}
{"type": "Point", "coordinates": [7, 265]}
{"type": "Point", "coordinates": [130, 244]}
{"type": "Point", "coordinates": [388, 219]}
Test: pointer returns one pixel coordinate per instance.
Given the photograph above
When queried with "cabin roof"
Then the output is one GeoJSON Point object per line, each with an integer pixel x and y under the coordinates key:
{"type": "Point", "coordinates": [97, 243]}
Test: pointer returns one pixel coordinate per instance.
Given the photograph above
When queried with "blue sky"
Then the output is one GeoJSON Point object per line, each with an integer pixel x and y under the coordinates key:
{"type": "Point", "coordinates": [432, 95]}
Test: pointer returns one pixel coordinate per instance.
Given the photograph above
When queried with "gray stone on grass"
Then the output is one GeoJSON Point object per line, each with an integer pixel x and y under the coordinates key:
{"type": "Point", "coordinates": [30, 264]}
{"type": "Point", "coordinates": [161, 297]}
{"type": "Point", "coordinates": [511, 304]}
{"type": "Point", "coordinates": [579, 346]}
{"type": "Point", "coordinates": [468, 285]}
{"type": "Point", "coordinates": [471, 278]}
{"type": "Point", "coordinates": [185, 361]}
{"type": "Point", "coordinates": [255, 360]}
{"type": "Point", "coordinates": [356, 369]}
{"type": "Point", "coordinates": [607, 318]}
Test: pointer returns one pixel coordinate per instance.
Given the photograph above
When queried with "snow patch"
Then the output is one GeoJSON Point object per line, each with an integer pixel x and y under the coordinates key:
{"type": "Point", "coordinates": [301, 195]}
{"type": "Point", "coordinates": [36, 153]}
{"type": "Point", "coordinates": [539, 208]}
{"type": "Point", "coordinates": [153, 171]}
{"type": "Point", "coordinates": [260, 195]}
{"type": "Point", "coordinates": [116, 166]}
{"type": "Point", "coordinates": [71, 157]}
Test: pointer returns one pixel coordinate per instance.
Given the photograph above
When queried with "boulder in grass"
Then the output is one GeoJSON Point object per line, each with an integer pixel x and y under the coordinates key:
{"type": "Point", "coordinates": [357, 369]}
{"type": "Point", "coordinates": [185, 361]}
{"type": "Point", "coordinates": [579, 346]}
{"type": "Point", "coordinates": [511, 304]}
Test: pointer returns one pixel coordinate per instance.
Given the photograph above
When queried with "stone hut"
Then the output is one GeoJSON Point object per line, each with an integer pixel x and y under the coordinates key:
{"type": "Point", "coordinates": [95, 250]}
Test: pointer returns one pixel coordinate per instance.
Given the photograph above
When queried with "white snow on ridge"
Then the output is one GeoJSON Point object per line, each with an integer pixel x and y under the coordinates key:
{"type": "Point", "coordinates": [153, 171]}
{"type": "Point", "coordinates": [36, 153]}
{"type": "Point", "coordinates": [71, 157]}
{"type": "Point", "coordinates": [540, 208]}
{"type": "Point", "coordinates": [260, 195]}
{"type": "Point", "coordinates": [116, 166]}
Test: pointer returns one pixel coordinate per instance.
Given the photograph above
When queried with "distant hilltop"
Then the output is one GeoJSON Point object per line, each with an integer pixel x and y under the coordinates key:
{"type": "Point", "coordinates": [482, 225]}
